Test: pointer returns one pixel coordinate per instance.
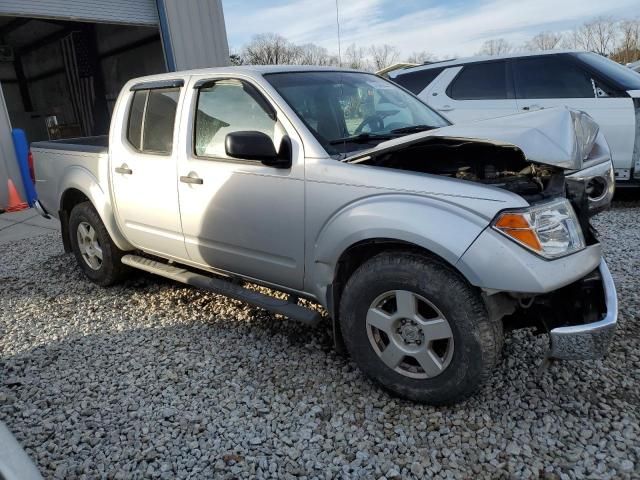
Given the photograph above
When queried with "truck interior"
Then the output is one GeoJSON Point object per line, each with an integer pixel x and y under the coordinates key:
{"type": "Point", "coordinates": [61, 78]}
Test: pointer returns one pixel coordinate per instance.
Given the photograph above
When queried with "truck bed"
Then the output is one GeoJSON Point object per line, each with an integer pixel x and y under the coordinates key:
{"type": "Point", "coordinates": [57, 161]}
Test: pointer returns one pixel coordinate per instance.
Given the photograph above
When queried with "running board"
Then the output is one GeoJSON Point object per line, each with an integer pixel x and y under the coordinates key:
{"type": "Point", "coordinates": [226, 288]}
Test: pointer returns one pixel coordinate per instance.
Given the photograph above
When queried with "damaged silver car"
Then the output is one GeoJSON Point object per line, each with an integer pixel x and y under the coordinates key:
{"type": "Point", "coordinates": [424, 241]}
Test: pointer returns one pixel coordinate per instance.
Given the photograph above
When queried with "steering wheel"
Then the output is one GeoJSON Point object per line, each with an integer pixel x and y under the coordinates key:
{"type": "Point", "coordinates": [376, 123]}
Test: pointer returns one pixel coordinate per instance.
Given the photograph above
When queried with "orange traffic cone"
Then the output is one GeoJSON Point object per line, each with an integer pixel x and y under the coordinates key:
{"type": "Point", "coordinates": [15, 203]}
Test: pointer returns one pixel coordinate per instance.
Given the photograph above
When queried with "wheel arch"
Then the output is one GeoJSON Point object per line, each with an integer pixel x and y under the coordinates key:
{"type": "Point", "coordinates": [82, 186]}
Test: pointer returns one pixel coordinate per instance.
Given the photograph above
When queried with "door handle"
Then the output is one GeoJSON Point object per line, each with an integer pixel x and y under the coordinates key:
{"type": "Point", "coordinates": [445, 108]}
{"type": "Point", "coordinates": [124, 169]}
{"type": "Point", "coordinates": [192, 180]}
{"type": "Point", "coordinates": [532, 107]}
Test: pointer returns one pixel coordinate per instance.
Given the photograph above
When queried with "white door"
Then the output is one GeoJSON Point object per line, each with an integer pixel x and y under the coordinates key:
{"type": "Point", "coordinates": [240, 215]}
{"type": "Point", "coordinates": [143, 172]}
{"type": "Point", "coordinates": [474, 91]}
{"type": "Point", "coordinates": [557, 80]}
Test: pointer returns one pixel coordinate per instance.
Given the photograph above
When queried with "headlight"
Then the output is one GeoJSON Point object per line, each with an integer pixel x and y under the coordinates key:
{"type": "Point", "coordinates": [549, 229]}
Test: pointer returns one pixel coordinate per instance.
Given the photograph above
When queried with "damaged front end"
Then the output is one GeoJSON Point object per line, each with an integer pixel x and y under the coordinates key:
{"type": "Point", "coordinates": [580, 318]}
{"type": "Point", "coordinates": [538, 155]}
{"type": "Point", "coordinates": [541, 157]}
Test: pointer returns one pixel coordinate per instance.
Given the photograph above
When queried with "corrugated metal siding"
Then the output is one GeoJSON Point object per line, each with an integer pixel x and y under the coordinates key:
{"type": "Point", "coordinates": [197, 33]}
{"type": "Point", "coordinates": [134, 12]}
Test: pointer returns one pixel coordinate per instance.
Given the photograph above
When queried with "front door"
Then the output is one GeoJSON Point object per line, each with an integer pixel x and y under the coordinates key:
{"type": "Point", "coordinates": [143, 172]}
{"type": "Point", "coordinates": [555, 80]}
{"type": "Point", "coordinates": [239, 215]}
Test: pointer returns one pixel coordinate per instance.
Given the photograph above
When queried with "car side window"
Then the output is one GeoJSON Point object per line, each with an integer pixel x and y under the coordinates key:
{"type": "Point", "coordinates": [228, 106]}
{"type": "Point", "coordinates": [417, 81]}
{"type": "Point", "coordinates": [136, 113]}
{"type": "Point", "coordinates": [551, 77]}
{"type": "Point", "coordinates": [151, 120]}
{"type": "Point", "coordinates": [480, 81]}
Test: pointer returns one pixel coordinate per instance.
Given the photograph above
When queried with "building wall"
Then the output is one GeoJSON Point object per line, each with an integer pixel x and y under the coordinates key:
{"type": "Point", "coordinates": [194, 33]}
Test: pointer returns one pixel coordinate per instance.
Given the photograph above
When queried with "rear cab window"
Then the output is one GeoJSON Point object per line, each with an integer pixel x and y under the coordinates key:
{"type": "Point", "coordinates": [481, 81]}
{"type": "Point", "coordinates": [152, 119]}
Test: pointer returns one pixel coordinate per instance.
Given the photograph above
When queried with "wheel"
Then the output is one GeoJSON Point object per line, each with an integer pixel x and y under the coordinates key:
{"type": "Point", "coordinates": [95, 252]}
{"type": "Point", "coordinates": [418, 329]}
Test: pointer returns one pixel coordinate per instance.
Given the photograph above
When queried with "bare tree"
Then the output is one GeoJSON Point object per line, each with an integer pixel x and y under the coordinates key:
{"type": "Point", "coordinates": [544, 41]}
{"type": "Point", "coordinates": [312, 54]}
{"type": "Point", "coordinates": [270, 49]}
{"type": "Point", "coordinates": [383, 55]}
{"type": "Point", "coordinates": [421, 57]}
{"type": "Point", "coordinates": [598, 35]}
{"type": "Point", "coordinates": [628, 48]}
{"type": "Point", "coordinates": [497, 46]}
{"type": "Point", "coordinates": [356, 57]}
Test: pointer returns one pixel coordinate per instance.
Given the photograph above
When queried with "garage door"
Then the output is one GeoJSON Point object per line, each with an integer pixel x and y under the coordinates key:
{"type": "Point", "coordinates": [134, 12]}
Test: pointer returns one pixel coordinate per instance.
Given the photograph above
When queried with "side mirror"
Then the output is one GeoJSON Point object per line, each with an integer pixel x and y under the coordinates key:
{"type": "Point", "coordinates": [251, 145]}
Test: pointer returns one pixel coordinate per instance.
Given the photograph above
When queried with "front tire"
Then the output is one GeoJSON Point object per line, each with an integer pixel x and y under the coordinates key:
{"type": "Point", "coordinates": [96, 254]}
{"type": "Point", "coordinates": [418, 329]}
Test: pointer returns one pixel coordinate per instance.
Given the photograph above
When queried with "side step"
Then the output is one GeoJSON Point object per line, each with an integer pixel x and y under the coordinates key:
{"type": "Point", "coordinates": [226, 288]}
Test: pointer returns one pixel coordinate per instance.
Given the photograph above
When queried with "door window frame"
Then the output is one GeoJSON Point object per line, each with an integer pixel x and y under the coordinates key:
{"type": "Point", "coordinates": [205, 82]}
{"type": "Point", "coordinates": [509, 81]}
{"type": "Point", "coordinates": [576, 63]}
{"type": "Point", "coordinates": [146, 87]}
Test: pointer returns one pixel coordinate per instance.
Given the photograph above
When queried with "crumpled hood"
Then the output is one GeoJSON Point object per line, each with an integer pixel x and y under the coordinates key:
{"type": "Point", "coordinates": [548, 136]}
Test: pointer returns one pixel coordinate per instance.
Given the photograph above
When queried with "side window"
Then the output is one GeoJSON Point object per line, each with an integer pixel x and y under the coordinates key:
{"type": "Point", "coordinates": [551, 77]}
{"type": "Point", "coordinates": [134, 129]}
{"type": "Point", "coordinates": [415, 82]}
{"type": "Point", "coordinates": [480, 81]}
{"type": "Point", "coordinates": [228, 106]}
{"type": "Point", "coordinates": [151, 120]}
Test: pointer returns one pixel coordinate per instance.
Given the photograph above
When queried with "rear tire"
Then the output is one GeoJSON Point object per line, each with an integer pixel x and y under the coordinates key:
{"type": "Point", "coordinates": [417, 328]}
{"type": "Point", "coordinates": [96, 254]}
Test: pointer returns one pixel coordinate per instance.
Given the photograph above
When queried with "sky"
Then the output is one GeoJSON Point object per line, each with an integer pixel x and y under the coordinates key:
{"type": "Point", "coordinates": [444, 28]}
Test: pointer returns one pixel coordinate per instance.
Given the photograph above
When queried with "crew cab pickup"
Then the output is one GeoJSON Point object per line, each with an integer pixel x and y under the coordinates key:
{"type": "Point", "coordinates": [424, 241]}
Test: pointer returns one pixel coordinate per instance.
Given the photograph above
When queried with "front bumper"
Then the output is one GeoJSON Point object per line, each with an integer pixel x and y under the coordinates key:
{"type": "Point", "coordinates": [588, 341]}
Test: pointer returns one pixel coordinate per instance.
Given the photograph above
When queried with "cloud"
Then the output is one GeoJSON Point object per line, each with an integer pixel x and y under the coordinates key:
{"type": "Point", "coordinates": [444, 28]}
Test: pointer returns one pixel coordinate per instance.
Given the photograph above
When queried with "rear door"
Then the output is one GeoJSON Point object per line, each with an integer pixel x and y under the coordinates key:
{"type": "Point", "coordinates": [558, 80]}
{"type": "Point", "coordinates": [143, 171]}
{"type": "Point", "coordinates": [474, 91]}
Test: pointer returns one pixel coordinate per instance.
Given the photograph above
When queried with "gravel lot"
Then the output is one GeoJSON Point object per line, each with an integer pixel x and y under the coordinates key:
{"type": "Point", "coordinates": [156, 380]}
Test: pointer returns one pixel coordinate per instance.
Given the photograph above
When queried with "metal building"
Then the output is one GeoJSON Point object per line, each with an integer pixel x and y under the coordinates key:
{"type": "Point", "coordinates": [63, 62]}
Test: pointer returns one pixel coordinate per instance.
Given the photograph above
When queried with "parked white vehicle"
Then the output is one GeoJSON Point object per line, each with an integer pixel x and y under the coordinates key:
{"type": "Point", "coordinates": [477, 88]}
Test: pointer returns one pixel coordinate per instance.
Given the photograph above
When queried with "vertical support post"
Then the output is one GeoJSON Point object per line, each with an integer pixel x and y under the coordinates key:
{"type": "Point", "coordinates": [165, 36]}
{"type": "Point", "coordinates": [100, 108]}
{"type": "Point", "coordinates": [22, 83]}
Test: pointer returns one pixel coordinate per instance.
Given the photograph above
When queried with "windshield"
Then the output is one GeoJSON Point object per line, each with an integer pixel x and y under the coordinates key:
{"type": "Point", "coordinates": [624, 76]}
{"type": "Point", "coordinates": [349, 111]}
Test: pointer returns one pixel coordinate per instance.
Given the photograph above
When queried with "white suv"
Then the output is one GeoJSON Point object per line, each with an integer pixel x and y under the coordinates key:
{"type": "Point", "coordinates": [483, 87]}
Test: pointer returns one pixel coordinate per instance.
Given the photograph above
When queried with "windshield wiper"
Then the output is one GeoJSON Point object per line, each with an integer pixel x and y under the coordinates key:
{"type": "Point", "coordinates": [361, 138]}
{"type": "Point", "coordinates": [413, 129]}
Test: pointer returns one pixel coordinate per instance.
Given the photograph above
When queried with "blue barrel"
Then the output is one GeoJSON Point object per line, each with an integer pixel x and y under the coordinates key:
{"type": "Point", "coordinates": [22, 154]}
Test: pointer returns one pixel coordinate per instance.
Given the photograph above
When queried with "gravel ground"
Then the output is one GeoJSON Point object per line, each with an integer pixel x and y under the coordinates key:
{"type": "Point", "coordinates": [155, 380]}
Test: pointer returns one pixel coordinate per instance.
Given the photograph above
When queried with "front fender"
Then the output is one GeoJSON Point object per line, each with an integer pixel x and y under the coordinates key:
{"type": "Point", "coordinates": [81, 179]}
{"type": "Point", "coordinates": [439, 226]}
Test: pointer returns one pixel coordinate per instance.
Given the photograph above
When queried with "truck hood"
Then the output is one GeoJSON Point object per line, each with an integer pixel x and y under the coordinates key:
{"type": "Point", "coordinates": [556, 136]}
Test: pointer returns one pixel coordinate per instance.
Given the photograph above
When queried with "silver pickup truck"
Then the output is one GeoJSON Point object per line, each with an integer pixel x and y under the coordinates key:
{"type": "Point", "coordinates": [424, 241]}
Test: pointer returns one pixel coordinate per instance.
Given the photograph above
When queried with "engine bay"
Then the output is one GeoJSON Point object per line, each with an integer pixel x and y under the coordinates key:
{"type": "Point", "coordinates": [499, 165]}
